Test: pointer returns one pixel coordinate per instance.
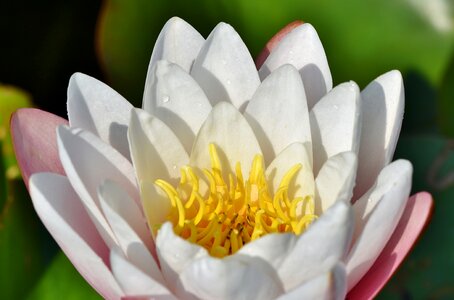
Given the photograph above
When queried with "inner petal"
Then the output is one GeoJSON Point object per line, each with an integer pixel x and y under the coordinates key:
{"type": "Point", "coordinates": [236, 210]}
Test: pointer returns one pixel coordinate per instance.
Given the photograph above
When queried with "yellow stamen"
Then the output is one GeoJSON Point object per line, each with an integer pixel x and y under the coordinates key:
{"type": "Point", "coordinates": [235, 212]}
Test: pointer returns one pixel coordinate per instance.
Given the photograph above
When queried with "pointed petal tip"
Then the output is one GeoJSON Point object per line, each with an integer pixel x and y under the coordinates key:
{"type": "Point", "coordinates": [271, 44]}
{"type": "Point", "coordinates": [414, 220]}
{"type": "Point", "coordinates": [34, 141]}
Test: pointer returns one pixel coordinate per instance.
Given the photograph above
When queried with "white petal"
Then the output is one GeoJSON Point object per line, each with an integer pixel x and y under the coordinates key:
{"type": "Point", "coordinates": [135, 282]}
{"type": "Point", "coordinates": [299, 258]}
{"type": "Point", "coordinates": [87, 162]}
{"type": "Point", "coordinates": [335, 123]}
{"type": "Point", "coordinates": [230, 132]}
{"type": "Point", "coordinates": [330, 286]}
{"type": "Point", "coordinates": [303, 183]}
{"type": "Point", "coordinates": [156, 205]}
{"type": "Point", "coordinates": [176, 99]}
{"type": "Point", "coordinates": [303, 49]}
{"type": "Point", "coordinates": [94, 106]}
{"type": "Point", "coordinates": [175, 254]}
{"type": "Point", "coordinates": [64, 216]}
{"type": "Point", "coordinates": [155, 150]}
{"type": "Point", "coordinates": [235, 277]}
{"type": "Point", "coordinates": [225, 69]}
{"type": "Point", "coordinates": [320, 248]}
{"type": "Point", "coordinates": [272, 248]}
{"type": "Point", "coordinates": [179, 43]}
{"type": "Point", "coordinates": [377, 214]}
{"type": "Point", "coordinates": [278, 112]}
{"type": "Point", "coordinates": [129, 227]}
{"type": "Point", "coordinates": [335, 181]}
{"type": "Point", "coordinates": [382, 109]}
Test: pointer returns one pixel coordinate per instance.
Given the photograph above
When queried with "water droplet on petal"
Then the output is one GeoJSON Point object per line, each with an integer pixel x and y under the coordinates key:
{"type": "Point", "coordinates": [165, 99]}
{"type": "Point", "coordinates": [228, 82]}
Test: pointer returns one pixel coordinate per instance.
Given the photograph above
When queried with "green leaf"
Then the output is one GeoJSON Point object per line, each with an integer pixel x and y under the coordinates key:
{"type": "Point", "coordinates": [62, 281]}
{"type": "Point", "coordinates": [11, 99]}
{"type": "Point", "coordinates": [25, 245]}
{"type": "Point", "coordinates": [362, 39]}
{"type": "Point", "coordinates": [429, 270]}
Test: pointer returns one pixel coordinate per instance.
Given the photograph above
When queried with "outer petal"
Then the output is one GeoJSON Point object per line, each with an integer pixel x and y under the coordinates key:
{"type": "Point", "coordinates": [127, 223]}
{"type": "Point", "coordinates": [414, 219]}
{"type": "Point", "coordinates": [230, 132]}
{"type": "Point", "coordinates": [320, 248]}
{"type": "Point", "coordinates": [177, 100]}
{"type": "Point", "coordinates": [303, 183]}
{"type": "Point", "coordinates": [278, 112]}
{"type": "Point", "coordinates": [382, 109]}
{"type": "Point", "coordinates": [34, 140]}
{"type": "Point", "coordinates": [335, 181]}
{"type": "Point", "coordinates": [335, 123]}
{"type": "Point", "coordinates": [225, 69]}
{"type": "Point", "coordinates": [175, 254]}
{"type": "Point", "coordinates": [178, 43]}
{"type": "Point", "coordinates": [316, 251]}
{"type": "Point", "coordinates": [94, 106]}
{"type": "Point", "coordinates": [134, 281]}
{"type": "Point", "coordinates": [330, 285]}
{"type": "Point", "coordinates": [303, 49]}
{"type": "Point", "coordinates": [234, 277]}
{"type": "Point", "coordinates": [274, 41]}
{"type": "Point", "coordinates": [156, 151]}
{"type": "Point", "coordinates": [88, 162]}
{"type": "Point", "coordinates": [62, 213]}
{"type": "Point", "coordinates": [377, 214]}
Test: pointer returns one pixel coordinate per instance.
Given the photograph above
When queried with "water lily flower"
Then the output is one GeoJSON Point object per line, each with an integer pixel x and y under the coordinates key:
{"type": "Point", "coordinates": [230, 182]}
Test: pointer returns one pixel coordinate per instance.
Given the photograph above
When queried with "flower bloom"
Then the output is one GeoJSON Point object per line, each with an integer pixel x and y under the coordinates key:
{"type": "Point", "coordinates": [230, 183]}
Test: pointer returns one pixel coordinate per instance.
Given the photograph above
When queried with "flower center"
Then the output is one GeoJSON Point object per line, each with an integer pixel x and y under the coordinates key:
{"type": "Point", "coordinates": [235, 212]}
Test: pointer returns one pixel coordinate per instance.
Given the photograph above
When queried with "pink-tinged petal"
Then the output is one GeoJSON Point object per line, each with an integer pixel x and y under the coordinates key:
{"type": "Point", "coordinates": [65, 217]}
{"type": "Point", "coordinates": [274, 41]}
{"type": "Point", "coordinates": [415, 217]}
{"type": "Point", "coordinates": [35, 142]}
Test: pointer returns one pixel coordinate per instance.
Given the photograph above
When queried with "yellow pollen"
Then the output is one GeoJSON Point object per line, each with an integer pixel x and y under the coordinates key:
{"type": "Point", "coordinates": [235, 212]}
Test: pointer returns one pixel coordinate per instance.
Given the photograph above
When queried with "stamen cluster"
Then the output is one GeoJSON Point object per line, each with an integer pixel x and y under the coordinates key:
{"type": "Point", "coordinates": [236, 212]}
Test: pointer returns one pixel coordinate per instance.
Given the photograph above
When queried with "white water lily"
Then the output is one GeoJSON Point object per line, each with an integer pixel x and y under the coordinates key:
{"type": "Point", "coordinates": [293, 176]}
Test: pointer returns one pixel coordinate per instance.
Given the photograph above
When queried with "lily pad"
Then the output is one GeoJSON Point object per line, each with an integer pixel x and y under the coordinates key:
{"type": "Point", "coordinates": [62, 281]}
{"type": "Point", "coordinates": [25, 245]}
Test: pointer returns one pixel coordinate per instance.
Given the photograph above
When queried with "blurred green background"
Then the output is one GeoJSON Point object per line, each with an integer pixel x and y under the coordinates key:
{"type": "Point", "coordinates": [43, 42]}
